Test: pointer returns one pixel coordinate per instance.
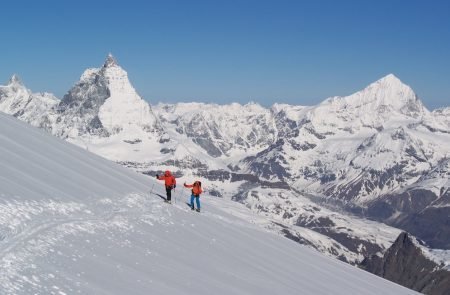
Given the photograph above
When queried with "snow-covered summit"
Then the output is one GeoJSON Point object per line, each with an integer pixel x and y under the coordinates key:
{"type": "Point", "coordinates": [17, 100]}
{"type": "Point", "coordinates": [384, 97]}
{"type": "Point", "coordinates": [124, 106]}
{"type": "Point", "coordinates": [103, 102]}
{"type": "Point", "coordinates": [383, 104]}
{"type": "Point", "coordinates": [358, 148]}
{"type": "Point", "coordinates": [110, 61]}
{"type": "Point", "coordinates": [15, 80]}
{"type": "Point", "coordinates": [13, 96]}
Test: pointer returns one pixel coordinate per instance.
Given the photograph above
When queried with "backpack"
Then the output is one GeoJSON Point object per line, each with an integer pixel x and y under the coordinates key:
{"type": "Point", "coordinates": [197, 188]}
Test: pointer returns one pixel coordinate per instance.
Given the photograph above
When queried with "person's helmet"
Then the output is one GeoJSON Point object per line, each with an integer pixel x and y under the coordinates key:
{"type": "Point", "coordinates": [167, 173]}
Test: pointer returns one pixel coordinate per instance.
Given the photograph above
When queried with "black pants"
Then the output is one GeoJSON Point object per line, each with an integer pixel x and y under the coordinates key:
{"type": "Point", "coordinates": [169, 193]}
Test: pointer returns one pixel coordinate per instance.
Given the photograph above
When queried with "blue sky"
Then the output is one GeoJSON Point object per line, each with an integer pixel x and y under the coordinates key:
{"type": "Point", "coordinates": [297, 52]}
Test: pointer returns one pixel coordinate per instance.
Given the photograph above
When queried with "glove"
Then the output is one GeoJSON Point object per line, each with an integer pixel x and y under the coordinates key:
{"type": "Point", "coordinates": [157, 176]}
{"type": "Point", "coordinates": [174, 186]}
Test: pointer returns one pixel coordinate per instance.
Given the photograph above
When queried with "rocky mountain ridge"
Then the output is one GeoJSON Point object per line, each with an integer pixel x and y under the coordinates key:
{"type": "Point", "coordinates": [406, 264]}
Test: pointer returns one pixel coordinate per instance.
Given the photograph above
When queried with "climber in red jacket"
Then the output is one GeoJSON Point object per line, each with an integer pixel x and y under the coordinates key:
{"type": "Point", "coordinates": [170, 183]}
{"type": "Point", "coordinates": [196, 191]}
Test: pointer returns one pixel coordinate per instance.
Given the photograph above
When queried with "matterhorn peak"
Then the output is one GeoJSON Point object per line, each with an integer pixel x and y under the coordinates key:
{"type": "Point", "coordinates": [15, 80]}
{"type": "Point", "coordinates": [110, 61]}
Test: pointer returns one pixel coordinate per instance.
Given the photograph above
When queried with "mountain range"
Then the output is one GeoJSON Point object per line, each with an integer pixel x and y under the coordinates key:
{"type": "Point", "coordinates": [342, 176]}
{"type": "Point", "coordinates": [75, 223]}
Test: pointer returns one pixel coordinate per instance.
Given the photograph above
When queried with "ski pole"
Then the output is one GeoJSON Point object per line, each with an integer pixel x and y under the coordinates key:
{"type": "Point", "coordinates": [151, 191]}
{"type": "Point", "coordinates": [173, 193]}
{"type": "Point", "coordinates": [180, 194]}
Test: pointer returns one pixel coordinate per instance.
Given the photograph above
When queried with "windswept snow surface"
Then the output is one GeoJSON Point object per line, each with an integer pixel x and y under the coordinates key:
{"type": "Point", "coordinates": [74, 223]}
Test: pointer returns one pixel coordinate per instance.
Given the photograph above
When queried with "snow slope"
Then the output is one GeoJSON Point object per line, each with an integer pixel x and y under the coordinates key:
{"type": "Point", "coordinates": [72, 222]}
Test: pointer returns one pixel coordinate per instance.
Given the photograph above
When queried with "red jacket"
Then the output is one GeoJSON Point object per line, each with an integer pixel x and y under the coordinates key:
{"type": "Point", "coordinates": [169, 179]}
{"type": "Point", "coordinates": [196, 188]}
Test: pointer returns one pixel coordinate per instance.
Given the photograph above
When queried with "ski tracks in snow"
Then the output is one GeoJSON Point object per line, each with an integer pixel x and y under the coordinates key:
{"type": "Point", "coordinates": [31, 229]}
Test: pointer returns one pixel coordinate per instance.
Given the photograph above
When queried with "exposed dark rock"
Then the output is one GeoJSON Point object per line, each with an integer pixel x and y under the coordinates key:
{"type": "Point", "coordinates": [307, 146]}
{"type": "Point", "coordinates": [223, 175]}
{"type": "Point", "coordinates": [185, 163]}
{"type": "Point", "coordinates": [134, 141]}
{"type": "Point", "coordinates": [176, 173]}
{"type": "Point", "coordinates": [315, 222]}
{"type": "Point", "coordinates": [302, 147]}
{"type": "Point", "coordinates": [234, 168]}
{"type": "Point", "coordinates": [207, 145]}
{"type": "Point", "coordinates": [327, 178]}
{"type": "Point", "coordinates": [411, 151]}
{"type": "Point", "coordinates": [380, 210]}
{"type": "Point", "coordinates": [431, 225]}
{"type": "Point", "coordinates": [166, 151]}
{"type": "Point", "coordinates": [326, 226]}
{"type": "Point", "coordinates": [399, 134]}
{"type": "Point", "coordinates": [95, 127]}
{"type": "Point", "coordinates": [275, 184]}
{"type": "Point", "coordinates": [413, 211]}
{"type": "Point", "coordinates": [295, 145]}
{"type": "Point", "coordinates": [244, 177]}
{"type": "Point", "coordinates": [367, 182]}
{"type": "Point", "coordinates": [287, 128]}
{"type": "Point", "coordinates": [434, 130]}
{"type": "Point", "coordinates": [268, 169]}
{"type": "Point", "coordinates": [215, 175]}
{"type": "Point", "coordinates": [405, 264]}
{"type": "Point", "coordinates": [215, 193]}
{"type": "Point", "coordinates": [318, 135]}
{"type": "Point", "coordinates": [351, 242]}
{"type": "Point", "coordinates": [164, 139]}
{"type": "Point", "coordinates": [297, 238]}
{"type": "Point", "coordinates": [367, 143]}
{"type": "Point", "coordinates": [84, 101]}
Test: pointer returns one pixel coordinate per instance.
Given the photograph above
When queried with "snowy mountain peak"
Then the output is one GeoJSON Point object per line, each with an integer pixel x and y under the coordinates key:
{"type": "Point", "coordinates": [103, 103]}
{"type": "Point", "coordinates": [110, 61]}
{"type": "Point", "coordinates": [390, 79]}
{"type": "Point", "coordinates": [391, 90]}
{"type": "Point", "coordinates": [17, 100]}
{"type": "Point", "coordinates": [15, 80]}
{"type": "Point", "coordinates": [386, 96]}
